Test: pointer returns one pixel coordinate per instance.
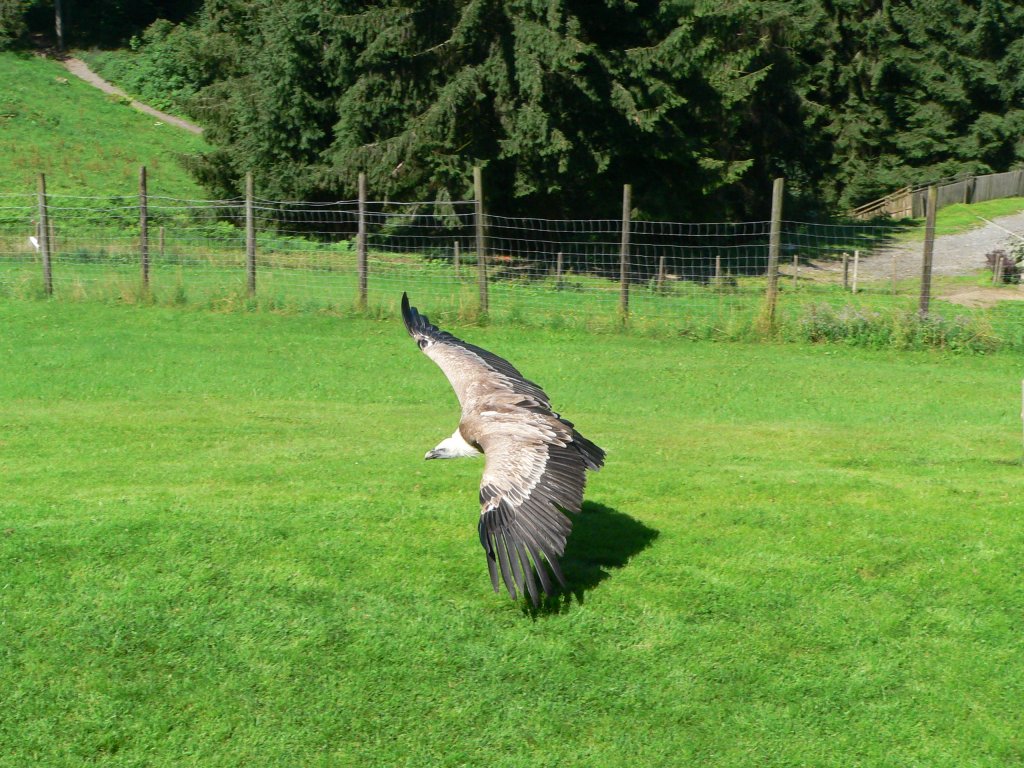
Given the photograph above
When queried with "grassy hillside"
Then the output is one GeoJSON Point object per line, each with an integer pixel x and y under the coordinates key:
{"type": "Point", "coordinates": [86, 142]}
{"type": "Point", "coordinates": [220, 545]}
{"type": "Point", "coordinates": [963, 217]}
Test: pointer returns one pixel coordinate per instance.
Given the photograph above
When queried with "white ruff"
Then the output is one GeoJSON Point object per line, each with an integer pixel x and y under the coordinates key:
{"type": "Point", "coordinates": [455, 447]}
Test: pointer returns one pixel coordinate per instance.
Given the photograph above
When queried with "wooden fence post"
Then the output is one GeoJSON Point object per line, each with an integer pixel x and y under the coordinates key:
{"type": "Point", "coordinates": [481, 243]}
{"type": "Point", "coordinates": [774, 246]}
{"type": "Point", "coordinates": [718, 270]}
{"type": "Point", "coordinates": [796, 270]}
{"type": "Point", "coordinates": [856, 269]}
{"type": "Point", "coordinates": [361, 243]}
{"type": "Point", "coordinates": [627, 195]}
{"type": "Point", "coordinates": [44, 237]}
{"type": "Point", "coordinates": [160, 243]}
{"type": "Point", "coordinates": [250, 237]}
{"type": "Point", "coordinates": [143, 228]}
{"type": "Point", "coordinates": [558, 271]}
{"type": "Point", "coordinates": [455, 256]}
{"type": "Point", "coordinates": [929, 250]}
{"type": "Point", "coordinates": [846, 271]}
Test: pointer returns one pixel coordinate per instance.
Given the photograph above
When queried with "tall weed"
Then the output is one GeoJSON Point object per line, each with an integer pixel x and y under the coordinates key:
{"type": "Point", "coordinates": [897, 329]}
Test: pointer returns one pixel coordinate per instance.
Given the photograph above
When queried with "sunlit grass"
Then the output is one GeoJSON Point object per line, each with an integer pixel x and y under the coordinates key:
{"type": "Point", "coordinates": [220, 546]}
{"type": "Point", "coordinates": [326, 281]}
{"type": "Point", "coordinates": [83, 140]}
{"type": "Point", "coordinates": [960, 217]}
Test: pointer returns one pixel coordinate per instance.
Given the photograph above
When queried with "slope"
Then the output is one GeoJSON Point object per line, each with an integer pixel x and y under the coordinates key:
{"type": "Point", "coordinates": [86, 142]}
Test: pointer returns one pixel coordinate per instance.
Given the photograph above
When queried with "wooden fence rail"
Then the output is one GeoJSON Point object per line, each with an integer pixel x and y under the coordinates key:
{"type": "Point", "coordinates": [912, 202]}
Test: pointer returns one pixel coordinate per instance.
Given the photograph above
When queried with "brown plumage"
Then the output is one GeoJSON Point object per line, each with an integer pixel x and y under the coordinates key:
{"type": "Point", "coordinates": [536, 461]}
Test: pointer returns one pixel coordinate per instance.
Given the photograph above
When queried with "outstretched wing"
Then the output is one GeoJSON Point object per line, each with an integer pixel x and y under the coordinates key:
{"type": "Point", "coordinates": [533, 472]}
{"type": "Point", "coordinates": [472, 371]}
{"type": "Point", "coordinates": [536, 460]}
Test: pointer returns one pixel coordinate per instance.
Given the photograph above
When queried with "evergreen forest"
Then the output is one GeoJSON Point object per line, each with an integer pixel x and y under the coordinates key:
{"type": "Point", "coordinates": [697, 103]}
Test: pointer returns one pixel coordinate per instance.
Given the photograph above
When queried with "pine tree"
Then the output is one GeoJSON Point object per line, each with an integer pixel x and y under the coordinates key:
{"type": "Point", "coordinates": [697, 103]}
{"type": "Point", "coordinates": [561, 104]}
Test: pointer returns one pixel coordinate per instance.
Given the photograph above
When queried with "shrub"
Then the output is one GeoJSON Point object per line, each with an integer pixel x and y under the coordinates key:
{"type": "Point", "coordinates": [822, 323]}
{"type": "Point", "coordinates": [1009, 264]}
{"type": "Point", "coordinates": [12, 22]}
{"type": "Point", "coordinates": [164, 68]}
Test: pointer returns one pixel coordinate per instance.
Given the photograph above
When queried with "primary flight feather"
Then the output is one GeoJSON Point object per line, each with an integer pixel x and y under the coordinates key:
{"type": "Point", "coordinates": [536, 461]}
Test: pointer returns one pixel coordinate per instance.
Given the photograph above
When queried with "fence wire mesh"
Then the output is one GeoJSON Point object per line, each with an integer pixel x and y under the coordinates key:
{"type": "Point", "coordinates": [704, 279]}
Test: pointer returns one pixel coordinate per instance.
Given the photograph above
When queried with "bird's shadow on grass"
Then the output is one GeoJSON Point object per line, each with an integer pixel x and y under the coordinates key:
{"type": "Point", "coordinates": [602, 539]}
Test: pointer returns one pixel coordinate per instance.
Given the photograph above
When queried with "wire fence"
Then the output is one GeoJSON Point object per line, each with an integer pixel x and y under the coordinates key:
{"type": "Point", "coordinates": [705, 279]}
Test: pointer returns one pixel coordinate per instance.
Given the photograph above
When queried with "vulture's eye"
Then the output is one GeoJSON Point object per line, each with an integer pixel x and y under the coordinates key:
{"type": "Point", "coordinates": [423, 343]}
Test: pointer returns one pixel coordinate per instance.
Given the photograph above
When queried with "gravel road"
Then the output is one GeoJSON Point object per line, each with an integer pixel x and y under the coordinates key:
{"type": "Point", "coordinates": [954, 255]}
{"type": "Point", "coordinates": [962, 254]}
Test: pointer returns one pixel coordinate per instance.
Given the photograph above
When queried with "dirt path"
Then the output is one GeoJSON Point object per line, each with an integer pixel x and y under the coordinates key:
{"type": "Point", "coordinates": [954, 255]}
{"type": "Point", "coordinates": [961, 254]}
{"type": "Point", "coordinates": [976, 296]}
{"type": "Point", "coordinates": [80, 69]}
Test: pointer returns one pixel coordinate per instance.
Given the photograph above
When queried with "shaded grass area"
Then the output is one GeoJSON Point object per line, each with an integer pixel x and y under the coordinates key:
{"type": "Point", "coordinates": [221, 546]}
{"type": "Point", "coordinates": [86, 142]}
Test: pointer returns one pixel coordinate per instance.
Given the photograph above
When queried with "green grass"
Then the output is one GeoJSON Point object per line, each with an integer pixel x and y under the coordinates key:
{"type": "Point", "coordinates": [296, 282]}
{"type": "Point", "coordinates": [219, 545]}
{"type": "Point", "coordinates": [961, 217]}
{"type": "Point", "coordinates": [87, 143]}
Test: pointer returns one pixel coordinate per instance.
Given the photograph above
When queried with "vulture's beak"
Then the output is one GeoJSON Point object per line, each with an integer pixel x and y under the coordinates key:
{"type": "Point", "coordinates": [431, 455]}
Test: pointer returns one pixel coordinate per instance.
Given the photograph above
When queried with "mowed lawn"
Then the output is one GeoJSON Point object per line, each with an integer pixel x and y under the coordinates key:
{"type": "Point", "coordinates": [220, 546]}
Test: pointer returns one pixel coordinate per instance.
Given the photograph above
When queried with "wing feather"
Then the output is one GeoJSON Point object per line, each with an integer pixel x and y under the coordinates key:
{"type": "Point", "coordinates": [545, 581]}
{"type": "Point", "coordinates": [466, 364]}
{"type": "Point", "coordinates": [525, 487]}
{"type": "Point", "coordinates": [506, 573]}
{"type": "Point", "coordinates": [536, 460]}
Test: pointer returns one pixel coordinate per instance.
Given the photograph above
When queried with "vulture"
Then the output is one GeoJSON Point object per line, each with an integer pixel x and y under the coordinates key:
{"type": "Point", "coordinates": [536, 461]}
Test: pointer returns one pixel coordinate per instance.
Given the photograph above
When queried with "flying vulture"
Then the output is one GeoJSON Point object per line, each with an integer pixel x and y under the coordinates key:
{"type": "Point", "coordinates": [536, 460]}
